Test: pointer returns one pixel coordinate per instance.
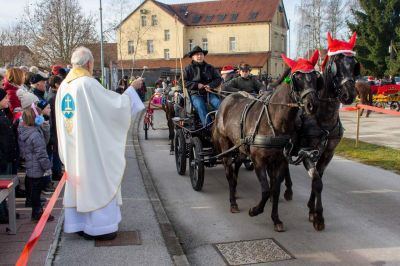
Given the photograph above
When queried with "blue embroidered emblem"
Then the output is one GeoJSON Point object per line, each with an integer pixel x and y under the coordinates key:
{"type": "Point", "coordinates": [68, 106]}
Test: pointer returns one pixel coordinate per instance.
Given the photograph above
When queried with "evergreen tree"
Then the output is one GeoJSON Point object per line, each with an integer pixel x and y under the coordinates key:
{"type": "Point", "coordinates": [376, 25]}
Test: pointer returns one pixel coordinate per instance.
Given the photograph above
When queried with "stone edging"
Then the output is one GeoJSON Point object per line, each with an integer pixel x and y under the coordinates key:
{"type": "Point", "coordinates": [54, 245]}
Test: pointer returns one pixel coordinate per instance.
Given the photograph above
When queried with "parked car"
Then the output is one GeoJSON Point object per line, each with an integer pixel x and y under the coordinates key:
{"type": "Point", "coordinates": [397, 79]}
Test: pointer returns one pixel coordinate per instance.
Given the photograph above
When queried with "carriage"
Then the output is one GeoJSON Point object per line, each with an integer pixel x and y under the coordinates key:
{"type": "Point", "coordinates": [193, 142]}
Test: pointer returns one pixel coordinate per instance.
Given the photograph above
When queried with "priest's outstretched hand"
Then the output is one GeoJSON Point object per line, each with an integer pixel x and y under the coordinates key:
{"type": "Point", "coordinates": [137, 83]}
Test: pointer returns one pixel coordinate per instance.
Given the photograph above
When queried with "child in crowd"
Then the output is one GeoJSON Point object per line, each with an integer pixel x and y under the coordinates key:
{"type": "Point", "coordinates": [33, 148]}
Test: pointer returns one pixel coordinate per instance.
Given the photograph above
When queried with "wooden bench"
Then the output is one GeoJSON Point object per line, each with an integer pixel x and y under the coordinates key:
{"type": "Point", "coordinates": [7, 190]}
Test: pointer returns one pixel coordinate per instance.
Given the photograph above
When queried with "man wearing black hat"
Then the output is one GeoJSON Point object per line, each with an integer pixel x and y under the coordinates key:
{"type": "Point", "coordinates": [38, 83]}
{"type": "Point", "coordinates": [245, 82]}
{"type": "Point", "coordinates": [200, 78]}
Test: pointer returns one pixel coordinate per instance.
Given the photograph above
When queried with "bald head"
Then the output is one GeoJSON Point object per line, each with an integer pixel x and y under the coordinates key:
{"type": "Point", "coordinates": [82, 57]}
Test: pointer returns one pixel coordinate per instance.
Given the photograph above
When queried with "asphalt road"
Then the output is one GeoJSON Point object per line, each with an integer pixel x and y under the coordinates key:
{"type": "Point", "coordinates": [361, 210]}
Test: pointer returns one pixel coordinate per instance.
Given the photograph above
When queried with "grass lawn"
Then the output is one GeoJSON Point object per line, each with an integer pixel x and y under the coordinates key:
{"type": "Point", "coordinates": [371, 154]}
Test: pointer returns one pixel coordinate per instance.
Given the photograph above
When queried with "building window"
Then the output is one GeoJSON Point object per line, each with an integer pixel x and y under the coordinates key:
{"type": "Point", "coordinates": [232, 43]}
{"type": "Point", "coordinates": [150, 47]}
{"type": "Point", "coordinates": [166, 54]}
{"type": "Point", "coordinates": [131, 49]}
{"type": "Point", "coordinates": [191, 44]}
{"type": "Point", "coordinates": [234, 17]}
{"type": "Point", "coordinates": [144, 21]}
{"type": "Point", "coordinates": [154, 21]}
{"type": "Point", "coordinates": [221, 17]}
{"type": "Point", "coordinates": [205, 44]}
{"type": "Point", "coordinates": [167, 35]}
{"type": "Point", "coordinates": [253, 15]}
{"type": "Point", "coordinates": [209, 18]}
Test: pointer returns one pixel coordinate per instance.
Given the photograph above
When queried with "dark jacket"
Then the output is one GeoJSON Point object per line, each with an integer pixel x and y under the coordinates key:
{"type": "Point", "coordinates": [249, 84]}
{"type": "Point", "coordinates": [8, 142]}
{"type": "Point", "coordinates": [229, 77]}
{"type": "Point", "coordinates": [39, 94]}
{"type": "Point", "coordinates": [33, 149]}
{"type": "Point", "coordinates": [51, 99]}
{"type": "Point", "coordinates": [204, 73]}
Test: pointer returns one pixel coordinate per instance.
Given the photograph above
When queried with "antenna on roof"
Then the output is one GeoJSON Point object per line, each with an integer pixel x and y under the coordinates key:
{"type": "Point", "coordinates": [186, 13]}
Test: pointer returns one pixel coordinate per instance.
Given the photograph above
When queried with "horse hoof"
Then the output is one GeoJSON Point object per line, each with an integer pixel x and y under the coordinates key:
{"type": "Point", "coordinates": [311, 217]}
{"type": "Point", "coordinates": [254, 212]}
{"type": "Point", "coordinates": [288, 195]}
{"type": "Point", "coordinates": [235, 209]}
{"type": "Point", "coordinates": [279, 228]}
{"type": "Point", "coordinates": [319, 226]}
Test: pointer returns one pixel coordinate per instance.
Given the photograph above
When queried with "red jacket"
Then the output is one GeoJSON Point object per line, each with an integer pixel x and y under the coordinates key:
{"type": "Point", "coordinates": [12, 95]}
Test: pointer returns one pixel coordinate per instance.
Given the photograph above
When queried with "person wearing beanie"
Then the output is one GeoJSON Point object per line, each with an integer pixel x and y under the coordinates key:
{"type": "Point", "coordinates": [38, 83]}
{"type": "Point", "coordinates": [33, 149]}
{"type": "Point", "coordinates": [8, 148]}
{"type": "Point", "coordinates": [26, 98]}
{"type": "Point", "coordinates": [227, 73]}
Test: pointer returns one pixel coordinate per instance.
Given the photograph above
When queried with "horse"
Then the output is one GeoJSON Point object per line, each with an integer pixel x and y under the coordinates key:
{"type": "Point", "coordinates": [364, 92]}
{"type": "Point", "coordinates": [263, 128]}
{"type": "Point", "coordinates": [323, 131]}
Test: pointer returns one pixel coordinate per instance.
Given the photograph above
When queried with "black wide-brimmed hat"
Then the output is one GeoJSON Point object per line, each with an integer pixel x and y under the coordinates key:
{"type": "Point", "coordinates": [196, 50]}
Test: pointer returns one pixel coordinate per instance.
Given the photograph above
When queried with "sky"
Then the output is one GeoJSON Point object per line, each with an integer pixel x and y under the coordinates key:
{"type": "Point", "coordinates": [12, 11]}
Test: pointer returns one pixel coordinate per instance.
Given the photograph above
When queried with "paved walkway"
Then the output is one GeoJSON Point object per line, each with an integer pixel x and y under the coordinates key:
{"type": "Point", "coordinates": [378, 128]}
{"type": "Point", "coordinates": [11, 246]}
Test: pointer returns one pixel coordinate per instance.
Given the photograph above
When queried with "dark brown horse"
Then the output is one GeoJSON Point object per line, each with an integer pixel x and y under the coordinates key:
{"type": "Point", "coordinates": [264, 129]}
{"type": "Point", "coordinates": [323, 131]}
{"type": "Point", "coordinates": [364, 92]}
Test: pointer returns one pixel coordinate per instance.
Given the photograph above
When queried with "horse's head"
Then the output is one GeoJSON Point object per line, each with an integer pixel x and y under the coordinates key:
{"type": "Point", "coordinates": [305, 82]}
{"type": "Point", "coordinates": [341, 69]}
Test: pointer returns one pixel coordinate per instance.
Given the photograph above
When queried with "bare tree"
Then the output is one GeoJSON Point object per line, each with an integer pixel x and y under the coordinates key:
{"type": "Point", "coordinates": [55, 28]}
{"type": "Point", "coordinates": [12, 46]}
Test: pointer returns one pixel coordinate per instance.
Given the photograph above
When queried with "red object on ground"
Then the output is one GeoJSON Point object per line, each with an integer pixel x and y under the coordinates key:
{"type": "Point", "coordinates": [24, 258]}
{"type": "Point", "coordinates": [5, 184]}
{"type": "Point", "coordinates": [372, 108]}
{"type": "Point", "coordinates": [385, 89]}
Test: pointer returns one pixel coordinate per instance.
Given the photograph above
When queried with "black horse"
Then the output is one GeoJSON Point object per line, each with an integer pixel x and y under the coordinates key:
{"type": "Point", "coordinates": [323, 131]}
{"type": "Point", "coordinates": [261, 131]}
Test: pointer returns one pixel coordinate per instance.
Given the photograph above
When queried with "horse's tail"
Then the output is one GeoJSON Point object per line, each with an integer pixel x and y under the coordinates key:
{"type": "Point", "coordinates": [370, 96]}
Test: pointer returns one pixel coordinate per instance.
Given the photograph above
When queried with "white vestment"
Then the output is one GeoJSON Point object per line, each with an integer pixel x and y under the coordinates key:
{"type": "Point", "coordinates": [92, 127]}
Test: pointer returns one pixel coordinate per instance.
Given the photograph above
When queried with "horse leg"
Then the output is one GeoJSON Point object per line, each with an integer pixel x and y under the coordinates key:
{"type": "Point", "coordinates": [229, 173]}
{"type": "Point", "coordinates": [276, 174]}
{"type": "Point", "coordinates": [238, 163]}
{"type": "Point", "coordinates": [316, 187]}
{"type": "Point", "coordinates": [265, 189]}
{"type": "Point", "coordinates": [370, 102]}
{"type": "Point", "coordinates": [288, 184]}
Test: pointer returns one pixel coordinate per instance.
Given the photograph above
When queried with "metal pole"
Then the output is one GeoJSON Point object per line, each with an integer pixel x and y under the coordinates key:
{"type": "Point", "coordinates": [101, 45]}
{"type": "Point", "coordinates": [358, 126]}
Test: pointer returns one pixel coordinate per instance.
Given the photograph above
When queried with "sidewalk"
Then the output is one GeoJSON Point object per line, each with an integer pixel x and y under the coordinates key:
{"type": "Point", "coordinates": [11, 246]}
{"type": "Point", "coordinates": [140, 211]}
{"type": "Point", "coordinates": [380, 129]}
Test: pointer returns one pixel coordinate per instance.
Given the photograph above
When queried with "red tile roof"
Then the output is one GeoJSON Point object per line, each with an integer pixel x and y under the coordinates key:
{"type": "Point", "coordinates": [256, 60]}
{"type": "Point", "coordinates": [110, 53]}
{"type": "Point", "coordinates": [222, 12]}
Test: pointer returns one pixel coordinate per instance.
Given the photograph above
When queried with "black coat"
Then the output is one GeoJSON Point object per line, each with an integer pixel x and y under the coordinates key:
{"type": "Point", "coordinates": [204, 73]}
{"type": "Point", "coordinates": [8, 140]}
{"type": "Point", "coordinates": [53, 125]}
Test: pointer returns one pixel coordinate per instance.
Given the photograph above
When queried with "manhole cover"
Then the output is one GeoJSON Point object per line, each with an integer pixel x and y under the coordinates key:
{"type": "Point", "coordinates": [252, 251]}
{"type": "Point", "coordinates": [127, 238]}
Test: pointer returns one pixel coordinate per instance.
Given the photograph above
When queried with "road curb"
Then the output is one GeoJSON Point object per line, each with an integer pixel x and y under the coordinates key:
{"type": "Point", "coordinates": [57, 236]}
{"type": "Point", "coordinates": [171, 239]}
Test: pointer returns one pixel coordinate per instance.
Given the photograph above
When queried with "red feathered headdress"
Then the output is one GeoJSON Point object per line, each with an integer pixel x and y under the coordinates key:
{"type": "Point", "coordinates": [302, 65]}
{"type": "Point", "coordinates": [338, 47]}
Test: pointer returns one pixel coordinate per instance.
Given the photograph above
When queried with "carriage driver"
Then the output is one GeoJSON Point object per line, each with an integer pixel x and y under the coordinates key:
{"type": "Point", "coordinates": [245, 82]}
{"type": "Point", "coordinates": [200, 78]}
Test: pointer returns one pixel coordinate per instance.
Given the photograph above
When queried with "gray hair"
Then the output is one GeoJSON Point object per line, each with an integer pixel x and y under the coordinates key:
{"type": "Point", "coordinates": [81, 56]}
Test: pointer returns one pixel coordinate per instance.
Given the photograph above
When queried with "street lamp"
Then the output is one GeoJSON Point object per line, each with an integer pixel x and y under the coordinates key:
{"type": "Point", "coordinates": [101, 45]}
{"type": "Point", "coordinates": [308, 27]}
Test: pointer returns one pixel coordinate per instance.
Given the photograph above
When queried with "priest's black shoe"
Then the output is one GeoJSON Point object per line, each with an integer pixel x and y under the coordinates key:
{"type": "Point", "coordinates": [104, 237]}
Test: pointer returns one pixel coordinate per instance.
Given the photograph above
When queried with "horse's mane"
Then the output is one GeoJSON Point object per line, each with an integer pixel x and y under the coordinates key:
{"type": "Point", "coordinates": [280, 80]}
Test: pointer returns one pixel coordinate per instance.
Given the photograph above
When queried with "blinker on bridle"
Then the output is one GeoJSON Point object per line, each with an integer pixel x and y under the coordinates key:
{"type": "Point", "coordinates": [298, 94]}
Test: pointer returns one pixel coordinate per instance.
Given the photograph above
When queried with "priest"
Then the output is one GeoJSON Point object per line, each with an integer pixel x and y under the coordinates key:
{"type": "Point", "coordinates": [92, 132]}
